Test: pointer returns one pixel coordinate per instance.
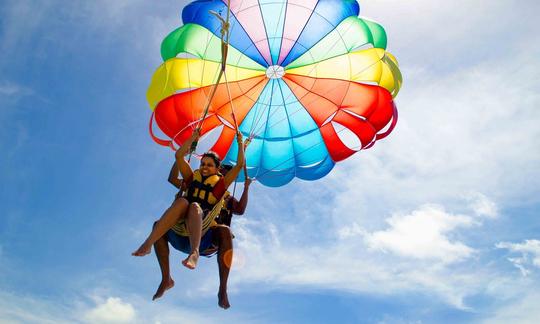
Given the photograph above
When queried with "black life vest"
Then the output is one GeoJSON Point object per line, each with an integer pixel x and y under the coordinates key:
{"type": "Point", "coordinates": [200, 190]}
{"type": "Point", "coordinates": [225, 214]}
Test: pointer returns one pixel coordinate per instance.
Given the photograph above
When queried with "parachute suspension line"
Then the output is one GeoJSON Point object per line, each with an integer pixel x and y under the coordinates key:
{"type": "Point", "coordinates": [230, 101]}
{"type": "Point", "coordinates": [248, 140]}
{"type": "Point", "coordinates": [224, 49]}
{"type": "Point", "coordinates": [329, 90]}
{"type": "Point", "coordinates": [330, 48]}
{"type": "Point", "coordinates": [260, 128]}
{"type": "Point", "coordinates": [260, 113]}
{"type": "Point", "coordinates": [256, 128]}
{"type": "Point", "coordinates": [378, 137]}
{"type": "Point", "coordinates": [314, 66]}
{"type": "Point", "coordinates": [234, 188]}
{"type": "Point", "coordinates": [225, 34]}
{"type": "Point", "coordinates": [195, 117]}
{"type": "Point", "coordinates": [369, 145]}
{"type": "Point", "coordinates": [294, 157]}
{"type": "Point", "coordinates": [257, 117]}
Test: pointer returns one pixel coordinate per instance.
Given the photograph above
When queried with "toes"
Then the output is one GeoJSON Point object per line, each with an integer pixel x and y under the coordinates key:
{"type": "Point", "coordinates": [141, 252]}
{"type": "Point", "coordinates": [189, 262]}
{"type": "Point", "coordinates": [223, 301]}
{"type": "Point", "coordinates": [158, 294]}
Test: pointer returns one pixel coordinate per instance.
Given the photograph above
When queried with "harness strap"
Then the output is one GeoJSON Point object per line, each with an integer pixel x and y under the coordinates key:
{"type": "Point", "coordinates": [180, 228]}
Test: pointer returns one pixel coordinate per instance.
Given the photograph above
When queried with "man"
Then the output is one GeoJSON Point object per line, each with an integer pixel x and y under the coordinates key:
{"type": "Point", "coordinates": [220, 236]}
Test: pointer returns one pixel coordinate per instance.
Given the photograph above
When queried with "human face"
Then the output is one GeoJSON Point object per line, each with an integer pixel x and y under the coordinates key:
{"type": "Point", "coordinates": [208, 166]}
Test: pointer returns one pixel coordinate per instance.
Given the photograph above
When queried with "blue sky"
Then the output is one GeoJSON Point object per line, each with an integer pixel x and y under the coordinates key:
{"type": "Point", "coordinates": [438, 223]}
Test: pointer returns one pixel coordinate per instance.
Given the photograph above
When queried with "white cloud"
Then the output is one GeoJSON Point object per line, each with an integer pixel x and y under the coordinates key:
{"type": "Point", "coordinates": [472, 128]}
{"type": "Point", "coordinates": [423, 234]}
{"type": "Point", "coordinates": [424, 256]}
{"type": "Point", "coordinates": [523, 310]}
{"type": "Point", "coordinates": [446, 35]}
{"type": "Point", "coordinates": [113, 310]}
{"type": "Point", "coordinates": [11, 92]}
{"type": "Point", "coordinates": [9, 89]}
{"type": "Point", "coordinates": [456, 134]}
{"type": "Point", "coordinates": [467, 117]}
{"type": "Point", "coordinates": [529, 249]}
{"type": "Point", "coordinates": [482, 205]}
{"type": "Point", "coordinates": [63, 25]}
{"type": "Point", "coordinates": [27, 309]}
{"type": "Point", "coordinates": [18, 308]}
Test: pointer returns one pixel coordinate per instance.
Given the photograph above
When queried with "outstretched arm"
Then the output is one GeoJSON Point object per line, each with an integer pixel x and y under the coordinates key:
{"type": "Point", "coordinates": [231, 175]}
{"type": "Point", "coordinates": [239, 207]}
{"type": "Point", "coordinates": [181, 163]}
{"type": "Point", "coordinates": [173, 176]}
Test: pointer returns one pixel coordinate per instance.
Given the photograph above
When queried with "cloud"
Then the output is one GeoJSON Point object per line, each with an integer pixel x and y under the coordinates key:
{"type": "Point", "coordinates": [468, 128]}
{"type": "Point", "coordinates": [113, 310]}
{"type": "Point", "coordinates": [11, 92]}
{"type": "Point", "coordinates": [455, 135]}
{"type": "Point", "coordinates": [26, 309]}
{"type": "Point", "coordinates": [467, 117]}
{"type": "Point", "coordinates": [425, 244]}
{"type": "Point", "coordinates": [19, 308]}
{"type": "Point", "coordinates": [523, 310]}
{"type": "Point", "coordinates": [482, 205]}
{"type": "Point", "coordinates": [529, 249]}
{"type": "Point", "coordinates": [63, 25]}
{"type": "Point", "coordinates": [9, 89]}
{"type": "Point", "coordinates": [423, 234]}
{"type": "Point", "coordinates": [452, 34]}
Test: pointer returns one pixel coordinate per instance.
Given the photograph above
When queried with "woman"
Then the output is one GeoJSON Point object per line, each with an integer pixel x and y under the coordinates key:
{"type": "Point", "coordinates": [205, 188]}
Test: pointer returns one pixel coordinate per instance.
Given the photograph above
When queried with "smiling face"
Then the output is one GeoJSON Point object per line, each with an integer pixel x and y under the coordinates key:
{"type": "Point", "coordinates": [208, 166]}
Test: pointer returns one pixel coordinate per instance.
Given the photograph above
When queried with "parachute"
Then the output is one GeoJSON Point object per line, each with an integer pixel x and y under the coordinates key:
{"type": "Point", "coordinates": [309, 82]}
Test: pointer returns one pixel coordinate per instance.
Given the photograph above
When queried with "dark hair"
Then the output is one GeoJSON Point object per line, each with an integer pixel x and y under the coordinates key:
{"type": "Point", "coordinates": [214, 156]}
{"type": "Point", "coordinates": [227, 167]}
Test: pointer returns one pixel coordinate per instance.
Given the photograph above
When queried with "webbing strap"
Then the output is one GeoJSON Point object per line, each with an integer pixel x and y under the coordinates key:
{"type": "Point", "coordinates": [180, 228]}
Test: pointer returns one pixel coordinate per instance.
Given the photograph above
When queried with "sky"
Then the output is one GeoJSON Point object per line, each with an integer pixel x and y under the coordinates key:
{"type": "Point", "coordinates": [438, 223]}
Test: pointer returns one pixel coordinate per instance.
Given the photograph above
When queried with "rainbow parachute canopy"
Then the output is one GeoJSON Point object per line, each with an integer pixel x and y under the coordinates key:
{"type": "Point", "coordinates": [309, 82]}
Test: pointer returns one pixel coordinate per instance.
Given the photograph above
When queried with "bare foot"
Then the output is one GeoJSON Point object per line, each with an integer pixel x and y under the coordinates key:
{"type": "Point", "coordinates": [143, 250]}
{"type": "Point", "coordinates": [191, 261]}
{"type": "Point", "coordinates": [163, 287]}
{"type": "Point", "coordinates": [223, 299]}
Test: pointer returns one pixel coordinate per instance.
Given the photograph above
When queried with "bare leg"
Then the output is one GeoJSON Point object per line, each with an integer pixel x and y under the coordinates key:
{"type": "Point", "coordinates": [171, 216]}
{"type": "Point", "coordinates": [223, 239]}
{"type": "Point", "coordinates": [194, 225]}
{"type": "Point", "coordinates": [162, 252]}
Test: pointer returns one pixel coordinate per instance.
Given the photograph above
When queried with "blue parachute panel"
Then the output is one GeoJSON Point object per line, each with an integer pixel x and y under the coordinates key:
{"type": "Point", "coordinates": [324, 19]}
{"type": "Point", "coordinates": [197, 12]}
